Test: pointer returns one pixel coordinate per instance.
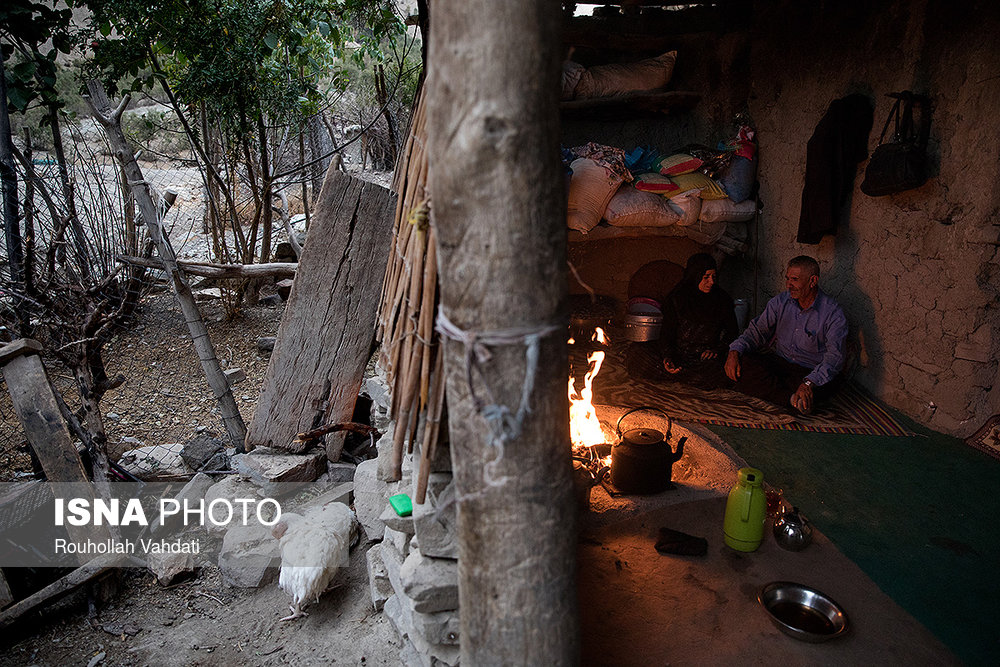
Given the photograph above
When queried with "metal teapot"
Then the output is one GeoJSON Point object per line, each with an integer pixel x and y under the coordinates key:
{"type": "Point", "coordinates": [792, 531]}
{"type": "Point", "coordinates": [641, 460]}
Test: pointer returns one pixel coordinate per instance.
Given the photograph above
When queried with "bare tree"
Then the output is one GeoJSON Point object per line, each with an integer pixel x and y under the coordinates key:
{"type": "Point", "coordinates": [110, 120]}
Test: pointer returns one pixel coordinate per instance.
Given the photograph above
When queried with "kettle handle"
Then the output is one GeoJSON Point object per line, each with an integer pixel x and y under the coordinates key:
{"type": "Point", "coordinates": [670, 422]}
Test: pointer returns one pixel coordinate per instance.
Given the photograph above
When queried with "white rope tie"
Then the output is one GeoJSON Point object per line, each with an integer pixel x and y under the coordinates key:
{"type": "Point", "coordinates": [504, 424]}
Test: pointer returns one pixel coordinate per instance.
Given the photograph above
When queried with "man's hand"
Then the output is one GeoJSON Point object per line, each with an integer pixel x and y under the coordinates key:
{"type": "Point", "coordinates": [670, 367]}
{"type": "Point", "coordinates": [708, 354]}
{"type": "Point", "coordinates": [733, 365]}
{"type": "Point", "coordinates": [802, 399]}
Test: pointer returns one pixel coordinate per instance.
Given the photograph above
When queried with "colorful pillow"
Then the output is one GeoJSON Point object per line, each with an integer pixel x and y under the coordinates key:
{"type": "Point", "coordinates": [709, 188]}
{"type": "Point", "coordinates": [607, 80]}
{"type": "Point", "coordinates": [657, 183]}
{"type": "Point", "coordinates": [679, 163]}
{"type": "Point", "coordinates": [738, 178]}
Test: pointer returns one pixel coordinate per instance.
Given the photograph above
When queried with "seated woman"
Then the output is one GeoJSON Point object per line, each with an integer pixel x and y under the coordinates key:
{"type": "Point", "coordinates": [699, 322]}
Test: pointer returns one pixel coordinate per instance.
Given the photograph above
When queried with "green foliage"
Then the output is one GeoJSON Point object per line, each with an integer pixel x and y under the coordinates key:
{"type": "Point", "coordinates": [239, 58]}
{"type": "Point", "coordinates": [70, 104]}
{"type": "Point", "coordinates": [32, 35]}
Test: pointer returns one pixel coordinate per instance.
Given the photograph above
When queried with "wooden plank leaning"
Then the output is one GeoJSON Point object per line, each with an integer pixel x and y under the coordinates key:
{"type": "Point", "coordinates": [326, 334]}
{"type": "Point", "coordinates": [35, 405]}
{"type": "Point", "coordinates": [60, 587]}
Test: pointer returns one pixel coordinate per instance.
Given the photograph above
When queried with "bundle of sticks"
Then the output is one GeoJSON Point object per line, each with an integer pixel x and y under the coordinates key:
{"type": "Point", "coordinates": [409, 350]}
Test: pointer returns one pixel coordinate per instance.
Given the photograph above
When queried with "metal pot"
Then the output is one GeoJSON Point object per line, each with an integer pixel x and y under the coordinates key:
{"type": "Point", "coordinates": [642, 328]}
{"type": "Point", "coordinates": [643, 320]}
{"type": "Point", "coordinates": [583, 481]}
{"type": "Point", "coordinates": [641, 460]}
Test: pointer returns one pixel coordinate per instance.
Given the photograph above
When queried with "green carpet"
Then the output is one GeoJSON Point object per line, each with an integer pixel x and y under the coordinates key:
{"type": "Point", "coordinates": [918, 514]}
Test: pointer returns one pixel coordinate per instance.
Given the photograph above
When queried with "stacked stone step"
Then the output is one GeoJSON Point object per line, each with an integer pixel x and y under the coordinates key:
{"type": "Point", "coordinates": [413, 570]}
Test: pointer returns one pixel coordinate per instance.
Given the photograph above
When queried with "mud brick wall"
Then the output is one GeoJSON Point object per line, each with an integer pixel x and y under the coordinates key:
{"type": "Point", "coordinates": [918, 272]}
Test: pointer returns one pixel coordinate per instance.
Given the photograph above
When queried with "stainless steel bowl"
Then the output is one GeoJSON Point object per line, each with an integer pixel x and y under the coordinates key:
{"type": "Point", "coordinates": [803, 612]}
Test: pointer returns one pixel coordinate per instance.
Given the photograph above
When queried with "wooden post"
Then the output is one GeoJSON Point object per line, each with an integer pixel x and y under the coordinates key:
{"type": "Point", "coordinates": [110, 119]}
{"type": "Point", "coordinates": [13, 244]}
{"type": "Point", "coordinates": [499, 217]}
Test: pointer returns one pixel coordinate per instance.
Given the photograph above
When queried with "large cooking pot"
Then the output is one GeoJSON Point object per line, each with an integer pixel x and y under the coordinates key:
{"type": "Point", "coordinates": [643, 319]}
{"type": "Point", "coordinates": [641, 459]}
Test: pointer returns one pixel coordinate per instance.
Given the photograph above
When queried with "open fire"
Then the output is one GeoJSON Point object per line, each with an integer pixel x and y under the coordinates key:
{"type": "Point", "coordinates": [585, 428]}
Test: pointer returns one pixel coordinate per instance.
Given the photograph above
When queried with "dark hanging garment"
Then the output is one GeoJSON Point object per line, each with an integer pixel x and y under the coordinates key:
{"type": "Point", "coordinates": [838, 144]}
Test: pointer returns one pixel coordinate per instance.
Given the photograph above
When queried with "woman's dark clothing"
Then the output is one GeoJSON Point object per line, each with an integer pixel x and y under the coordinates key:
{"type": "Point", "coordinates": [693, 322]}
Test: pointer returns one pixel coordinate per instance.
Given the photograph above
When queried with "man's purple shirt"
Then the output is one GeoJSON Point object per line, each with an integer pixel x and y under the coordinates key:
{"type": "Point", "coordinates": [812, 337]}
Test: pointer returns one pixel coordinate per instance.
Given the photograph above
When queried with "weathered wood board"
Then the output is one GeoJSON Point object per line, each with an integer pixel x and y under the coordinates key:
{"type": "Point", "coordinates": [36, 407]}
{"type": "Point", "coordinates": [328, 328]}
{"type": "Point", "coordinates": [95, 568]}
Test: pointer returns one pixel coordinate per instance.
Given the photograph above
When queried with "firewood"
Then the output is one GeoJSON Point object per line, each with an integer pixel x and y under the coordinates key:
{"type": "Point", "coordinates": [431, 425]}
{"type": "Point", "coordinates": [426, 326]}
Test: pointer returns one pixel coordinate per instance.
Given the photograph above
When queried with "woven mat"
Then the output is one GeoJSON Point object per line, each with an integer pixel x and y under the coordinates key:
{"type": "Point", "coordinates": [850, 411]}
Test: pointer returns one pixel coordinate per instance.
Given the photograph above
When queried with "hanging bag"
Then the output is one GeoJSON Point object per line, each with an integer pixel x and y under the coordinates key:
{"type": "Point", "coordinates": [900, 163]}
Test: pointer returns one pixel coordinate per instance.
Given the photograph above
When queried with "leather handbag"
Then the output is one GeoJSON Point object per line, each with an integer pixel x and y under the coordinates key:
{"type": "Point", "coordinates": [900, 163]}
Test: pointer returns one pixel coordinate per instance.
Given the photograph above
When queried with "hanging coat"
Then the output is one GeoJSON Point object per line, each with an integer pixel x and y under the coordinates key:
{"type": "Point", "coordinates": [838, 144]}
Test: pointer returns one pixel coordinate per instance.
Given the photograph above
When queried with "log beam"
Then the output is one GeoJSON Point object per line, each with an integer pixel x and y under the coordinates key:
{"type": "Point", "coordinates": [211, 270]}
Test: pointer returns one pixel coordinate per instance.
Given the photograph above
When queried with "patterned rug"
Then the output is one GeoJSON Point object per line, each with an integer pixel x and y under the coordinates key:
{"type": "Point", "coordinates": [987, 439]}
{"type": "Point", "coordinates": [850, 411]}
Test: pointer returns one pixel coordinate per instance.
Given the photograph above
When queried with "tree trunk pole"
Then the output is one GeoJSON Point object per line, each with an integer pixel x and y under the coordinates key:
{"type": "Point", "coordinates": [499, 216]}
{"type": "Point", "coordinates": [110, 119]}
{"type": "Point", "coordinates": [11, 223]}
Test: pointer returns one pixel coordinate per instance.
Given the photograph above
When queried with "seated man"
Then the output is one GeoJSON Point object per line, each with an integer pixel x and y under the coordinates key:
{"type": "Point", "coordinates": [793, 352]}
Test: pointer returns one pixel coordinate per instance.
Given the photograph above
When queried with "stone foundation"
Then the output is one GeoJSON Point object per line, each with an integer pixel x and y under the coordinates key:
{"type": "Point", "coordinates": [413, 568]}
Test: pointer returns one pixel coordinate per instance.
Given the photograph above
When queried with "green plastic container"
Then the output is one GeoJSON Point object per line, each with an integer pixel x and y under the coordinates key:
{"type": "Point", "coordinates": [746, 510]}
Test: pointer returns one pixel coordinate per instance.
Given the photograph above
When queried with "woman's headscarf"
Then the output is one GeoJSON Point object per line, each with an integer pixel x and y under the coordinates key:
{"type": "Point", "coordinates": [696, 267]}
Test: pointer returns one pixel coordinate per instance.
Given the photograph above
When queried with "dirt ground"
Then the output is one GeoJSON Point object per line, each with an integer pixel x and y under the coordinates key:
{"type": "Point", "coordinates": [201, 621]}
{"type": "Point", "coordinates": [204, 622]}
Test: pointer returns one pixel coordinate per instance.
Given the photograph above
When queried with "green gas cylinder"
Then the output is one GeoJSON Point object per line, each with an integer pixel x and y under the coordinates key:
{"type": "Point", "coordinates": [746, 510]}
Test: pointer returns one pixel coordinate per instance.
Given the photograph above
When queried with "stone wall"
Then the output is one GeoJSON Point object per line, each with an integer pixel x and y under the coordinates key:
{"type": "Point", "coordinates": [413, 559]}
{"type": "Point", "coordinates": [918, 272]}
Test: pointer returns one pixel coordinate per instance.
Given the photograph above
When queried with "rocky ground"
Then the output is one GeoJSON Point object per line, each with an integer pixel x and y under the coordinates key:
{"type": "Point", "coordinates": [200, 621]}
{"type": "Point", "coordinates": [203, 622]}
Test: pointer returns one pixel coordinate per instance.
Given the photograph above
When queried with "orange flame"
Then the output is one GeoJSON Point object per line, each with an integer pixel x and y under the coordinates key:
{"type": "Point", "coordinates": [585, 428]}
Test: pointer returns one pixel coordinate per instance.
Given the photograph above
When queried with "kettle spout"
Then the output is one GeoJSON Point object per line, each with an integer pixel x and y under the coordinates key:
{"type": "Point", "coordinates": [679, 452]}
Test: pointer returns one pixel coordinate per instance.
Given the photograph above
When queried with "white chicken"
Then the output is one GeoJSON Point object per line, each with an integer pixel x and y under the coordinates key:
{"type": "Point", "coordinates": [313, 545]}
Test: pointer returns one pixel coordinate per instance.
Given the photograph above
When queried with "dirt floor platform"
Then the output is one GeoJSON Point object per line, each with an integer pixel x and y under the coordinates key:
{"type": "Point", "coordinates": [639, 607]}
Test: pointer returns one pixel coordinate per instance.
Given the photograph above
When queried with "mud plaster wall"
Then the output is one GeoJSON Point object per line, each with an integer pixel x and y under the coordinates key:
{"type": "Point", "coordinates": [918, 272]}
